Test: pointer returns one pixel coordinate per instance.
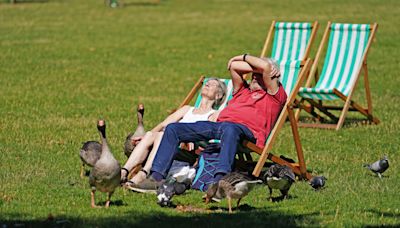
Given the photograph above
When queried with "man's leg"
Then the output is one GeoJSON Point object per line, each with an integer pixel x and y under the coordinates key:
{"type": "Point", "coordinates": [232, 135]}
{"type": "Point", "coordinates": [181, 132]}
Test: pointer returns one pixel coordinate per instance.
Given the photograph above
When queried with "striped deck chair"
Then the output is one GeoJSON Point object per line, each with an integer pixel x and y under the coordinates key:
{"type": "Point", "coordinates": [346, 56]}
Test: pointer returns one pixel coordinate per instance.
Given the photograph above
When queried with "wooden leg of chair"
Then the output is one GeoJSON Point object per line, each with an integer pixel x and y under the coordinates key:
{"type": "Point", "coordinates": [296, 137]}
{"type": "Point", "coordinates": [367, 90]}
{"type": "Point", "coordinates": [321, 108]}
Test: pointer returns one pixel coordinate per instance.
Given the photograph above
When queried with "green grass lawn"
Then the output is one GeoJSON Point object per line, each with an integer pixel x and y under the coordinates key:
{"type": "Point", "coordinates": [64, 64]}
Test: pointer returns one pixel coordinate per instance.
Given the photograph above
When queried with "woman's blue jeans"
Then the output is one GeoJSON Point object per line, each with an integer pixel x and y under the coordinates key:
{"type": "Point", "coordinates": [230, 135]}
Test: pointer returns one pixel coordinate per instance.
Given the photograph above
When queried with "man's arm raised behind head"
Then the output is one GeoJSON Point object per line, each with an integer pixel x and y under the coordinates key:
{"type": "Point", "coordinates": [238, 68]}
{"type": "Point", "coordinates": [266, 68]}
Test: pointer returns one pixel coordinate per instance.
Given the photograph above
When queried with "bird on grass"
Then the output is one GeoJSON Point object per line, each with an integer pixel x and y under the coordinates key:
{"type": "Point", "coordinates": [89, 154]}
{"type": "Point", "coordinates": [106, 173]}
{"type": "Point", "coordinates": [379, 166]}
{"type": "Point", "coordinates": [279, 177]}
{"type": "Point", "coordinates": [130, 141]}
{"type": "Point", "coordinates": [318, 182]}
{"type": "Point", "coordinates": [232, 186]}
{"type": "Point", "coordinates": [168, 189]}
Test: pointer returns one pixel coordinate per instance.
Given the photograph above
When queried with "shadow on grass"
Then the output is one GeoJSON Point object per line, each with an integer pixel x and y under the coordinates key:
{"type": "Point", "coordinates": [26, 1]}
{"type": "Point", "coordinates": [247, 216]}
{"type": "Point", "coordinates": [349, 122]}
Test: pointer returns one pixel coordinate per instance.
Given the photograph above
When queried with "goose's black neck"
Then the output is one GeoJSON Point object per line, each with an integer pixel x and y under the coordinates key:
{"type": "Point", "coordinates": [102, 130]}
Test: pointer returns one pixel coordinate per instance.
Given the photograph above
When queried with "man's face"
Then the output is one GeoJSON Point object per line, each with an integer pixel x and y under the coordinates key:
{"type": "Point", "coordinates": [257, 81]}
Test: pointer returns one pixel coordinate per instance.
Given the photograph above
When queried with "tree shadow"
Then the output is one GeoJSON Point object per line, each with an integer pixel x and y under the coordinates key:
{"type": "Point", "coordinates": [147, 3]}
{"type": "Point", "coordinates": [245, 216]}
{"type": "Point", "coordinates": [26, 1]}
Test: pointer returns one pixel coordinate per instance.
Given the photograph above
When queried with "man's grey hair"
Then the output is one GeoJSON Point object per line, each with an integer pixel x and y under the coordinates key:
{"type": "Point", "coordinates": [221, 91]}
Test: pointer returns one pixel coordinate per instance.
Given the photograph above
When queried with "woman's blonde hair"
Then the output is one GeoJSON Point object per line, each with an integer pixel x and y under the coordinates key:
{"type": "Point", "coordinates": [221, 91]}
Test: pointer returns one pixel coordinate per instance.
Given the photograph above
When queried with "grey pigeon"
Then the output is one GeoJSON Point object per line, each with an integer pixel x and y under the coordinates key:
{"type": "Point", "coordinates": [279, 177]}
{"type": "Point", "coordinates": [232, 186]}
{"type": "Point", "coordinates": [89, 154]}
{"type": "Point", "coordinates": [169, 189]}
{"type": "Point", "coordinates": [379, 166]}
{"type": "Point", "coordinates": [318, 182]}
{"type": "Point", "coordinates": [139, 132]}
{"type": "Point", "coordinates": [106, 173]}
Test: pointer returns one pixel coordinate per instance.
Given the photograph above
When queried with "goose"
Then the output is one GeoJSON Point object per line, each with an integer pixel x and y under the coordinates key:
{"type": "Point", "coordinates": [106, 173]}
{"type": "Point", "coordinates": [279, 177]}
{"type": "Point", "coordinates": [232, 186]}
{"type": "Point", "coordinates": [139, 132]}
{"type": "Point", "coordinates": [89, 154]}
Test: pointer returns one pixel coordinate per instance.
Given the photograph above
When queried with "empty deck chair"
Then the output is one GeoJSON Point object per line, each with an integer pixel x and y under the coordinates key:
{"type": "Point", "coordinates": [346, 57]}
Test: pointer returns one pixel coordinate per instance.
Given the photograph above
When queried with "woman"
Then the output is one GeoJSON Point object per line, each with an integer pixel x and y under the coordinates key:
{"type": "Point", "coordinates": [213, 95]}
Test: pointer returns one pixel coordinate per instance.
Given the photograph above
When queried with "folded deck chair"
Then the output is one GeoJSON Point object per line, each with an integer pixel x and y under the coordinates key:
{"type": "Point", "coordinates": [346, 56]}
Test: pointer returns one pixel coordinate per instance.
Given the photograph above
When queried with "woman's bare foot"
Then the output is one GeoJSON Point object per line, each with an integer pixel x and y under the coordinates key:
{"type": "Point", "coordinates": [139, 177]}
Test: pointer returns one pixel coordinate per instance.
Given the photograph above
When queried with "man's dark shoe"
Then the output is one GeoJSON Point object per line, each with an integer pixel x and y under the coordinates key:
{"type": "Point", "coordinates": [149, 185]}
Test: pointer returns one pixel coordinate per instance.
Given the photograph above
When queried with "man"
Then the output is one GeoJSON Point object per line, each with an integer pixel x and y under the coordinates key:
{"type": "Point", "coordinates": [250, 115]}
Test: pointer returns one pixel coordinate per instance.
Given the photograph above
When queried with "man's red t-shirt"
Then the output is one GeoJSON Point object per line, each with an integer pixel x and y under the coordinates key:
{"type": "Point", "coordinates": [257, 110]}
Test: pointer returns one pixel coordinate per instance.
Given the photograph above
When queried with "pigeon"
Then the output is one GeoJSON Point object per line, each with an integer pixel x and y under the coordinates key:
{"type": "Point", "coordinates": [139, 132]}
{"type": "Point", "coordinates": [168, 189]}
{"type": "Point", "coordinates": [318, 182]}
{"type": "Point", "coordinates": [232, 186]}
{"type": "Point", "coordinates": [379, 166]}
{"type": "Point", "coordinates": [106, 173]}
{"type": "Point", "coordinates": [89, 154]}
{"type": "Point", "coordinates": [279, 177]}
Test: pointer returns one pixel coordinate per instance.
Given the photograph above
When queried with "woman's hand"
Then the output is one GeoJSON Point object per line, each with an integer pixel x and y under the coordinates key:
{"type": "Point", "coordinates": [136, 140]}
{"type": "Point", "coordinates": [213, 117]}
{"type": "Point", "coordinates": [187, 146]}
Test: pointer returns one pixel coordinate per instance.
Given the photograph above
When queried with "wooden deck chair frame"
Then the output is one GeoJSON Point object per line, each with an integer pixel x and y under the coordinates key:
{"type": "Point", "coordinates": [349, 104]}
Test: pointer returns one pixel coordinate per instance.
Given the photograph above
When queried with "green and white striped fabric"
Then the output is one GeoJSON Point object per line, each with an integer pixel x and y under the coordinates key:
{"type": "Point", "coordinates": [289, 74]}
{"type": "Point", "coordinates": [290, 40]}
{"type": "Point", "coordinates": [229, 87]}
{"type": "Point", "coordinates": [347, 44]}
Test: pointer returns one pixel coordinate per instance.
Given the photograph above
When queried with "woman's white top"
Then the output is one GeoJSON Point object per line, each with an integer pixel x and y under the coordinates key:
{"type": "Point", "coordinates": [191, 117]}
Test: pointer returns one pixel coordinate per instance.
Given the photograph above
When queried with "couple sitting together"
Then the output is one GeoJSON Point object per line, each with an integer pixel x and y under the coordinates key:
{"type": "Point", "coordinates": [250, 115]}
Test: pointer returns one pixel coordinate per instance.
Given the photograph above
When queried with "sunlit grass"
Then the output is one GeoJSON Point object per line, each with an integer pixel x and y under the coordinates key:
{"type": "Point", "coordinates": [64, 64]}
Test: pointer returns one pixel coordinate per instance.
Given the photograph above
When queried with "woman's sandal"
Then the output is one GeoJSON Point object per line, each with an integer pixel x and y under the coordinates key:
{"type": "Point", "coordinates": [125, 177]}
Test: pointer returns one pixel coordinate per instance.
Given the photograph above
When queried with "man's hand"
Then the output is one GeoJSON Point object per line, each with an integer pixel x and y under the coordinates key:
{"type": "Point", "coordinates": [274, 73]}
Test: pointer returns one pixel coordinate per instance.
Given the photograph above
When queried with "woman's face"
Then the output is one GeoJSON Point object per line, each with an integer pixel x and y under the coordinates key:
{"type": "Point", "coordinates": [210, 89]}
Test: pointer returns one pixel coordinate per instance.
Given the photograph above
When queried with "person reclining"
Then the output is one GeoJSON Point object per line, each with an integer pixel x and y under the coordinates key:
{"type": "Point", "coordinates": [213, 95]}
{"type": "Point", "coordinates": [250, 115]}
